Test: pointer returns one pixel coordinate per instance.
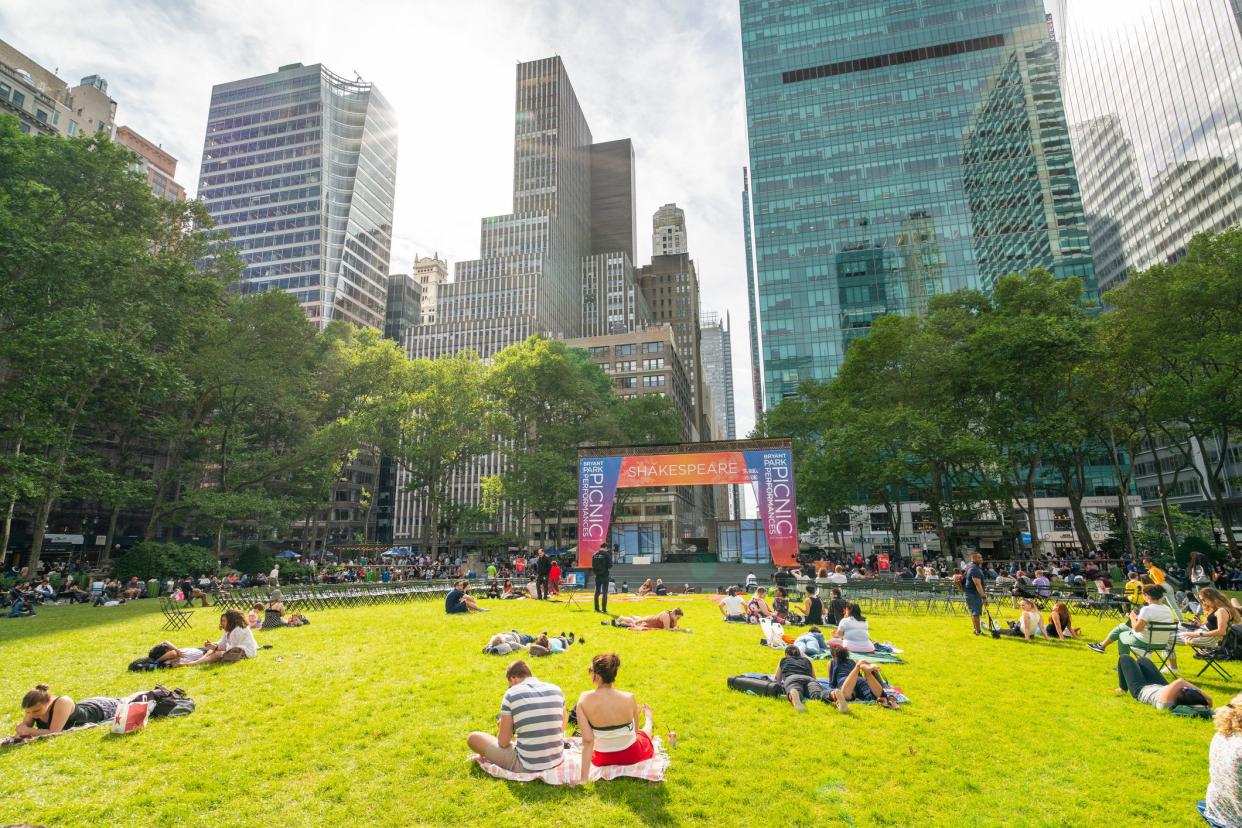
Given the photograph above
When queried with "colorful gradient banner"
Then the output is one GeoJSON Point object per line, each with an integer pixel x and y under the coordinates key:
{"type": "Point", "coordinates": [769, 471]}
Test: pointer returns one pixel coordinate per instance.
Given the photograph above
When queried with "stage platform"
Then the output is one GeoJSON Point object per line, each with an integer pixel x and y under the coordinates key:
{"type": "Point", "coordinates": [703, 574]}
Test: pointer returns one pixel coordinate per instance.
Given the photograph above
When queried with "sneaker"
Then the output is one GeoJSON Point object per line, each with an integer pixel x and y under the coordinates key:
{"type": "Point", "coordinates": [582, 640]}
{"type": "Point", "coordinates": [1098, 647]}
{"type": "Point", "coordinates": [570, 638]}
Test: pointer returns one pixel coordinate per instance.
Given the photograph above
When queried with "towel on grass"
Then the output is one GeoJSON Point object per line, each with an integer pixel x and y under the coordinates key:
{"type": "Point", "coordinates": [569, 771]}
{"type": "Point", "coordinates": [877, 657]}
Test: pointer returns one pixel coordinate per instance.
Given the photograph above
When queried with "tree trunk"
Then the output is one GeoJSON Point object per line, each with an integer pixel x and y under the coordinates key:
{"type": "Point", "coordinates": [1123, 494]}
{"type": "Point", "coordinates": [39, 530]}
{"type": "Point", "coordinates": [1037, 551]}
{"type": "Point", "coordinates": [108, 538]}
{"type": "Point", "coordinates": [220, 538]}
{"type": "Point", "coordinates": [6, 533]}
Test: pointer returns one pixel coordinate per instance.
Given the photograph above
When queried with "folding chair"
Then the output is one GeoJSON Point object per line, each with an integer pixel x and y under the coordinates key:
{"type": "Point", "coordinates": [1155, 631]}
{"type": "Point", "coordinates": [175, 618]}
{"type": "Point", "coordinates": [1214, 651]}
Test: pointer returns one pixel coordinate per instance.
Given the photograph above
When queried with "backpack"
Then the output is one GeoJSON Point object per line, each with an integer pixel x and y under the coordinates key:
{"type": "Point", "coordinates": [600, 563]}
{"type": "Point", "coordinates": [140, 665]}
{"type": "Point", "coordinates": [166, 702]}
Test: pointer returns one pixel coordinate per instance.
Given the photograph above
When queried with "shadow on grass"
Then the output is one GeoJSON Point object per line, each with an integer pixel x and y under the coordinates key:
{"type": "Point", "coordinates": [76, 617]}
{"type": "Point", "coordinates": [648, 801]}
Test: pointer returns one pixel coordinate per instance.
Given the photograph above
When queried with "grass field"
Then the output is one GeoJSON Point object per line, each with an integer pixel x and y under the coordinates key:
{"type": "Point", "coordinates": [361, 718]}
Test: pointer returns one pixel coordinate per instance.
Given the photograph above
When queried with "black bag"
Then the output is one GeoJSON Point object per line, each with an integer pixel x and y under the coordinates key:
{"type": "Point", "coordinates": [167, 702]}
{"type": "Point", "coordinates": [142, 665]}
{"type": "Point", "coordinates": [601, 562]}
{"type": "Point", "coordinates": [756, 686]}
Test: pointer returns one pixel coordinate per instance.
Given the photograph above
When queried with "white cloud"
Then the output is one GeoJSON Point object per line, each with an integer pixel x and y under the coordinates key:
{"type": "Point", "coordinates": [667, 75]}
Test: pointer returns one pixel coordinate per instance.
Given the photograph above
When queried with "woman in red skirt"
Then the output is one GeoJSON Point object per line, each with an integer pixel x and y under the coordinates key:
{"type": "Point", "coordinates": [608, 719]}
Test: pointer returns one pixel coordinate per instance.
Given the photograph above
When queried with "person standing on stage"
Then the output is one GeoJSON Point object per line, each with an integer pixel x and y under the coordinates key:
{"type": "Point", "coordinates": [601, 564]}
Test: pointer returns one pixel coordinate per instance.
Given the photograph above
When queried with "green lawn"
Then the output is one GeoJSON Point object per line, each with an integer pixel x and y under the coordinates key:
{"type": "Point", "coordinates": [361, 718]}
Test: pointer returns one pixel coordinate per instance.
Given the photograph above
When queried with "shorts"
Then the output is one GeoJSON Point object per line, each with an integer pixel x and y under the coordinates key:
{"type": "Point", "coordinates": [974, 603]}
{"type": "Point", "coordinates": [640, 751]}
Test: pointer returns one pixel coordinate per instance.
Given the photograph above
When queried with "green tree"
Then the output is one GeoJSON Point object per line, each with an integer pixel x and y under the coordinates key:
{"type": "Point", "coordinates": [90, 263]}
{"type": "Point", "coordinates": [1177, 328]}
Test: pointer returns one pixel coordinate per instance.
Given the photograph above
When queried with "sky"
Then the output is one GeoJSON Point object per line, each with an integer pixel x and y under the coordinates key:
{"type": "Point", "coordinates": [667, 75]}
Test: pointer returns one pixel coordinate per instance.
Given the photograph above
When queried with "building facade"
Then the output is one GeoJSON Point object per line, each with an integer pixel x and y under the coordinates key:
{"type": "Point", "coordinates": [668, 231]}
{"type": "Point", "coordinates": [157, 166]}
{"type": "Point", "coordinates": [430, 272]}
{"type": "Point", "coordinates": [1154, 100]}
{"type": "Point", "coordinates": [46, 105]}
{"type": "Point", "coordinates": [299, 168]}
{"type": "Point", "coordinates": [897, 151]}
{"type": "Point", "coordinates": [717, 353]}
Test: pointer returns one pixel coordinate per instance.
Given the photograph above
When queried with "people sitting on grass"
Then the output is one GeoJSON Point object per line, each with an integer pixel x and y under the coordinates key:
{"type": "Point", "coordinates": [459, 601]}
{"type": "Point", "coordinates": [852, 631]}
{"type": "Point", "coordinates": [1222, 806]}
{"type": "Point", "coordinates": [236, 643]}
{"type": "Point", "coordinates": [1219, 616]}
{"type": "Point", "coordinates": [757, 607]}
{"type": "Point", "coordinates": [45, 715]}
{"type": "Point", "coordinates": [507, 593]}
{"type": "Point", "coordinates": [170, 655]}
{"type": "Point", "coordinates": [660, 588]}
{"type": "Point", "coordinates": [1060, 626]}
{"type": "Point", "coordinates": [666, 620]}
{"type": "Point", "coordinates": [780, 608]}
{"type": "Point", "coordinates": [254, 619]}
{"type": "Point", "coordinates": [20, 606]}
{"type": "Point", "coordinates": [646, 589]}
{"type": "Point", "coordinates": [812, 643]}
{"type": "Point", "coordinates": [836, 607]}
{"type": "Point", "coordinates": [1140, 678]}
{"type": "Point", "coordinates": [608, 720]}
{"type": "Point", "coordinates": [813, 606]}
{"type": "Point", "coordinates": [530, 730]}
{"type": "Point", "coordinates": [190, 592]}
{"type": "Point", "coordinates": [843, 678]}
{"type": "Point", "coordinates": [796, 676]}
{"type": "Point", "coordinates": [1030, 623]}
{"type": "Point", "coordinates": [732, 607]}
{"type": "Point", "coordinates": [1128, 635]}
{"type": "Point", "coordinates": [71, 593]}
{"type": "Point", "coordinates": [493, 588]}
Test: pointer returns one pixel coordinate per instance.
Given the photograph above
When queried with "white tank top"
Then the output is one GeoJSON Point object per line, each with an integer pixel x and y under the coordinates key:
{"type": "Point", "coordinates": [614, 738]}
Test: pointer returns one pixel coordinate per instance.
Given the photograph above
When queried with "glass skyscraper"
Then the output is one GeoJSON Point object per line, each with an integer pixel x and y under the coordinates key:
{"type": "Point", "coordinates": [898, 150]}
{"type": "Point", "coordinates": [299, 167]}
{"type": "Point", "coordinates": [1153, 93]}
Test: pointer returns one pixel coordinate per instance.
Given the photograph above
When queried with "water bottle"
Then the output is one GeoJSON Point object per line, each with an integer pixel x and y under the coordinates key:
{"type": "Point", "coordinates": [672, 739]}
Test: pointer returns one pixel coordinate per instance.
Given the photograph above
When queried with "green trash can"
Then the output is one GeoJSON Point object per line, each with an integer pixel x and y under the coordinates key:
{"type": "Point", "coordinates": [153, 588]}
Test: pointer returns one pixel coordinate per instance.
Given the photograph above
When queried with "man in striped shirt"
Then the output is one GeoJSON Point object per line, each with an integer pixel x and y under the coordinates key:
{"type": "Point", "coordinates": [531, 725]}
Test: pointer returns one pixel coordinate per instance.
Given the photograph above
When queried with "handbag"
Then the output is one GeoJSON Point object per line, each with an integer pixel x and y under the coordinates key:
{"type": "Point", "coordinates": [130, 716]}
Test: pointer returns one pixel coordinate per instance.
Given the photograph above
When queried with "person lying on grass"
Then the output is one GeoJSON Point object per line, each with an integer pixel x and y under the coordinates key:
{"type": "Point", "coordinates": [167, 653]}
{"type": "Point", "coordinates": [732, 607]}
{"type": "Point", "coordinates": [459, 601]}
{"type": "Point", "coordinates": [1140, 678]}
{"type": "Point", "coordinates": [541, 645]}
{"type": "Point", "coordinates": [47, 716]}
{"type": "Point", "coordinates": [796, 676]}
{"type": "Point", "coordinates": [530, 729]}
{"type": "Point", "coordinates": [1127, 635]}
{"type": "Point", "coordinates": [812, 642]}
{"type": "Point", "coordinates": [852, 631]}
{"type": "Point", "coordinates": [844, 675]}
{"type": "Point", "coordinates": [608, 720]}
{"type": "Point", "coordinates": [236, 643]}
{"type": "Point", "coordinates": [666, 620]}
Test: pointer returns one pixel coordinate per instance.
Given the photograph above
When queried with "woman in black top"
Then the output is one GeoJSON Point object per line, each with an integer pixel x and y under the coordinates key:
{"type": "Point", "coordinates": [45, 715]}
{"type": "Point", "coordinates": [836, 608]}
{"type": "Point", "coordinates": [813, 608]}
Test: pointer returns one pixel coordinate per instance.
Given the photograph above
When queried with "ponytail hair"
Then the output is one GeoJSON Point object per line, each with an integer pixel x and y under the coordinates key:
{"type": "Point", "coordinates": [35, 697]}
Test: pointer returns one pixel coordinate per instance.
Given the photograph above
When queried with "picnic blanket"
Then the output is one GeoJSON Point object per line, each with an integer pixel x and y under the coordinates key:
{"type": "Point", "coordinates": [14, 741]}
{"type": "Point", "coordinates": [889, 690]}
{"type": "Point", "coordinates": [569, 771]}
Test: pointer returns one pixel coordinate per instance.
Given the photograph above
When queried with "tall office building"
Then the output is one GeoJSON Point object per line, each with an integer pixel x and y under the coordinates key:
{"type": "Point", "coordinates": [897, 151]}
{"type": "Point", "coordinates": [1154, 100]}
{"type": "Point", "coordinates": [402, 312]}
{"type": "Point", "coordinates": [299, 167]}
{"type": "Point", "coordinates": [752, 301]}
{"type": "Point", "coordinates": [571, 230]}
{"type": "Point", "coordinates": [668, 231]}
{"type": "Point", "coordinates": [717, 354]}
{"type": "Point", "coordinates": [1153, 92]}
{"type": "Point", "coordinates": [430, 272]}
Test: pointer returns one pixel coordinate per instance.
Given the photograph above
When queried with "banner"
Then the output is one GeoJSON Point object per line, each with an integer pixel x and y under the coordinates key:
{"type": "Point", "coordinates": [882, 561]}
{"type": "Point", "coordinates": [768, 470]}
